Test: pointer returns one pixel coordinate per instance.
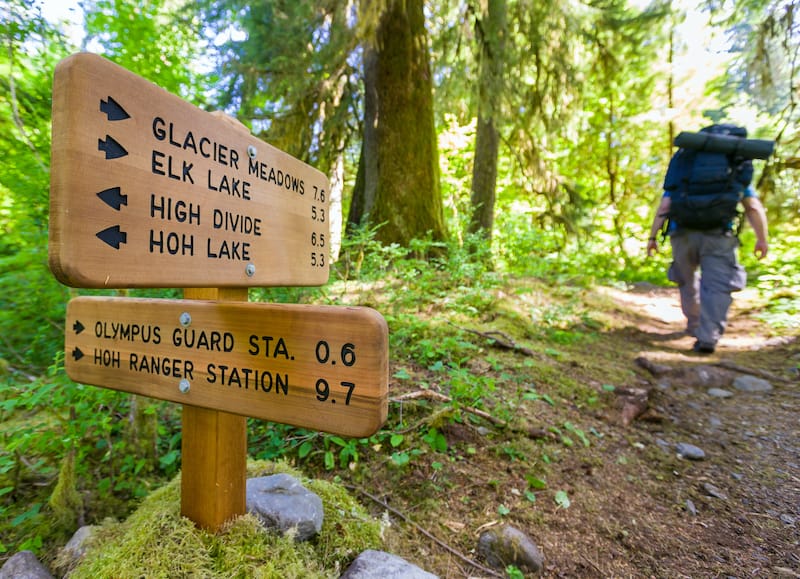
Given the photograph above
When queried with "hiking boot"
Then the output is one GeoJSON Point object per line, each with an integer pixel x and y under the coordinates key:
{"type": "Point", "coordinates": [703, 347]}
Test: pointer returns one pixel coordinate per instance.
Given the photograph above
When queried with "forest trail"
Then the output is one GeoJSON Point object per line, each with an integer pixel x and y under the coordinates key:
{"type": "Point", "coordinates": [637, 507]}
{"type": "Point", "coordinates": [736, 512]}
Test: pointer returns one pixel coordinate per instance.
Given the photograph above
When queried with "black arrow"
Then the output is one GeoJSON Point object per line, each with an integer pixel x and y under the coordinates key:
{"type": "Point", "coordinates": [77, 354]}
{"type": "Point", "coordinates": [113, 236]}
{"type": "Point", "coordinates": [113, 149]}
{"type": "Point", "coordinates": [78, 327]}
{"type": "Point", "coordinates": [113, 111]}
{"type": "Point", "coordinates": [113, 198]}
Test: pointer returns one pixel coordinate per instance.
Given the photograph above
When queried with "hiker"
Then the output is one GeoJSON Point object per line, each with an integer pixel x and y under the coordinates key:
{"type": "Point", "coordinates": [709, 247]}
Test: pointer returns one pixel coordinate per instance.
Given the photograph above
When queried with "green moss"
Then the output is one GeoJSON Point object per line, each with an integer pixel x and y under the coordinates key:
{"type": "Point", "coordinates": [156, 541]}
{"type": "Point", "coordinates": [66, 501]}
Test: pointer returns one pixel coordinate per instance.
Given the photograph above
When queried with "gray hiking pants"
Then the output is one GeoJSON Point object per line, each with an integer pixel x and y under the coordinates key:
{"type": "Point", "coordinates": [706, 294]}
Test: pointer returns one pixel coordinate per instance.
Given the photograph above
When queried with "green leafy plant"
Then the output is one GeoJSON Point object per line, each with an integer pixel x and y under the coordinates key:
{"type": "Point", "coordinates": [531, 394]}
{"type": "Point", "coordinates": [435, 440]}
{"type": "Point", "coordinates": [562, 499]}
{"type": "Point", "coordinates": [569, 427]}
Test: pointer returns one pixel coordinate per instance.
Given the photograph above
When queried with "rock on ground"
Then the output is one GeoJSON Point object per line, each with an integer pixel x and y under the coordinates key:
{"type": "Point", "coordinates": [372, 564]}
{"type": "Point", "coordinates": [72, 553]}
{"type": "Point", "coordinates": [751, 384]}
{"type": "Point", "coordinates": [690, 451]}
{"type": "Point", "coordinates": [24, 565]}
{"type": "Point", "coordinates": [506, 545]}
{"type": "Point", "coordinates": [282, 503]}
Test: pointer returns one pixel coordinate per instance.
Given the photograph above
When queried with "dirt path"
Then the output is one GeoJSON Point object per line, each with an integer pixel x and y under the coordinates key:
{"type": "Point", "coordinates": [736, 512]}
{"type": "Point", "coordinates": [637, 508]}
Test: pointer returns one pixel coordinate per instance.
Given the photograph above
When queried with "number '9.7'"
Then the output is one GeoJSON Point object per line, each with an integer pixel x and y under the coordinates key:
{"type": "Point", "coordinates": [324, 390]}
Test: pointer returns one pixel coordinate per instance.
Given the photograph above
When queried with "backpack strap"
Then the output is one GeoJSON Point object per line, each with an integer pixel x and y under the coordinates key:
{"type": "Point", "coordinates": [665, 230]}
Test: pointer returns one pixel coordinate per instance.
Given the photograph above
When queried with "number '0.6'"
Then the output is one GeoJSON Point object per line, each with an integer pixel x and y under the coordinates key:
{"type": "Point", "coordinates": [347, 355]}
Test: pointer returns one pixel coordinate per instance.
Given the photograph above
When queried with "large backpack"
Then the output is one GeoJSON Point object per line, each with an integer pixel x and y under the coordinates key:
{"type": "Point", "coordinates": [705, 186]}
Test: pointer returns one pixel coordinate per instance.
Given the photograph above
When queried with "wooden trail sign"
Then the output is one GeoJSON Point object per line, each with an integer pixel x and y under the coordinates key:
{"type": "Point", "coordinates": [148, 190]}
{"type": "Point", "coordinates": [317, 367]}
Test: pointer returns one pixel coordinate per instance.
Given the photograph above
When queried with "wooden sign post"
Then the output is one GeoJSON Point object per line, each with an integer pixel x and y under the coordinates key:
{"type": "Point", "coordinates": [213, 451]}
{"type": "Point", "coordinates": [150, 191]}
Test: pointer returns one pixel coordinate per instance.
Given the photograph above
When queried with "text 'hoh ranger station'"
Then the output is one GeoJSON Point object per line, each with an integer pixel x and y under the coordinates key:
{"type": "Point", "coordinates": [286, 363]}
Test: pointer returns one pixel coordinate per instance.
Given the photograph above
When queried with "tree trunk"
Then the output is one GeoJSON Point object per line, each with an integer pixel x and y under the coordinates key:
{"type": "Point", "coordinates": [407, 199]}
{"type": "Point", "coordinates": [367, 176]}
{"type": "Point", "coordinates": [492, 32]}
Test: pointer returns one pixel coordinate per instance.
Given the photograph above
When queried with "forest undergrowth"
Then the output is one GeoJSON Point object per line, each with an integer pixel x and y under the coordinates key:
{"type": "Point", "coordinates": [549, 402]}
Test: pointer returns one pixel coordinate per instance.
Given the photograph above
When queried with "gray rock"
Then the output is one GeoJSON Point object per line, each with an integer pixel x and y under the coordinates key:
{"type": "Point", "coordinates": [713, 491]}
{"type": "Point", "coordinates": [381, 565]}
{"type": "Point", "coordinates": [71, 554]}
{"type": "Point", "coordinates": [690, 508]}
{"type": "Point", "coordinates": [751, 384]}
{"type": "Point", "coordinates": [690, 451]}
{"type": "Point", "coordinates": [76, 546]}
{"type": "Point", "coordinates": [719, 393]}
{"type": "Point", "coordinates": [282, 503]}
{"type": "Point", "coordinates": [506, 545]}
{"type": "Point", "coordinates": [24, 565]}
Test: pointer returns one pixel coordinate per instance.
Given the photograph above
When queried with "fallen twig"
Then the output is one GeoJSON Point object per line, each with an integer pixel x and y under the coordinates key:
{"type": "Point", "coordinates": [593, 564]}
{"type": "Point", "coordinates": [431, 395]}
{"type": "Point", "coordinates": [531, 432]}
{"type": "Point", "coordinates": [752, 371]}
{"type": "Point", "coordinates": [28, 377]}
{"type": "Point", "coordinates": [652, 367]}
{"type": "Point", "coordinates": [439, 542]}
{"type": "Point", "coordinates": [661, 369]}
{"type": "Point", "coordinates": [499, 339]}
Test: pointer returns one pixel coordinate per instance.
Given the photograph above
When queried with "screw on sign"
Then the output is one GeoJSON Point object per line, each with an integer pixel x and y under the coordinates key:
{"type": "Point", "coordinates": [149, 191]}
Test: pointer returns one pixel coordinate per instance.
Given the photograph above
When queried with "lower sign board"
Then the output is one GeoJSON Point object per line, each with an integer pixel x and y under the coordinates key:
{"type": "Point", "coordinates": [318, 367]}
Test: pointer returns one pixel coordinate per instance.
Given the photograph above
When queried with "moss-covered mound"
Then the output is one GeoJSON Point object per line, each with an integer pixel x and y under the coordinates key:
{"type": "Point", "coordinates": [156, 541]}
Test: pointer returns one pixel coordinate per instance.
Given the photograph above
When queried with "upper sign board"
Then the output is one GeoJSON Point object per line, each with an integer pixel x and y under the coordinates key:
{"type": "Point", "coordinates": [148, 190]}
{"type": "Point", "coordinates": [319, 367]}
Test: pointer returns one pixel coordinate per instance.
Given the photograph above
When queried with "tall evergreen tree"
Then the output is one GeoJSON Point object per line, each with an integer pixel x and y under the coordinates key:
{"type": "Point", "coordinates": [764, 75]}
{"type": "Point", "coordinates": [407, 201]}
{"type": "Point", "coordinates": [492, 39]}
{"type": "Point", "coordinates": [289, 71]}
{"type": "Point", "coordinates": [149, 39]}
{"type": "Point", "coordinates": [29, 294]}
{"type": "Point", "coordinates": [301, 75]}
{"type": "Point", "coordinates": [624, 45]}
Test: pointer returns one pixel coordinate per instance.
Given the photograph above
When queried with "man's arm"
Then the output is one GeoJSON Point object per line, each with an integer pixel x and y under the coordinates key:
{"type": "Point", "coordinates": [658, 222]}
{"type": "Point", "coordinates": [757, 218]}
